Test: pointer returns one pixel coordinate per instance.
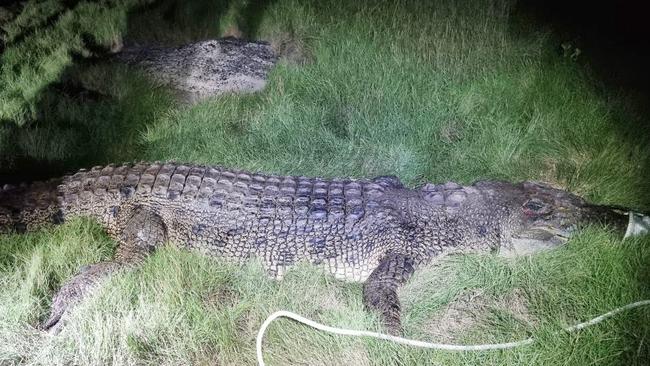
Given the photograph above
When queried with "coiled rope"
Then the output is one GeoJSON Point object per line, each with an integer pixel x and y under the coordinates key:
{"type": "Point", "coordinates": [422, 344]}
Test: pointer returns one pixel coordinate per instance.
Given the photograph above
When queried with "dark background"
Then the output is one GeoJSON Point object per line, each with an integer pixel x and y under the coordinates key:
{"type": "Point", "coordinates": [613, 37]}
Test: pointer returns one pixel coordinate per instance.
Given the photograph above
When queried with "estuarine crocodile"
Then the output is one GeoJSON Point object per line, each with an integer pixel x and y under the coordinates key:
{"type": "Point", "coordinates": [375, 231]}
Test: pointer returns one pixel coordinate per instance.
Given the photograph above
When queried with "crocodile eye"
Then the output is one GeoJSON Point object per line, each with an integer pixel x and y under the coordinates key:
{"type": "Point", "coordinates": [533, 205]}
{"type": "Point", "coordinates": [536, 208]}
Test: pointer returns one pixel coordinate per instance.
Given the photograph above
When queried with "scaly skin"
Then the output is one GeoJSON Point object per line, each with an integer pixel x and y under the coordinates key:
{"type": "Point", "coordinates": [374, 231]}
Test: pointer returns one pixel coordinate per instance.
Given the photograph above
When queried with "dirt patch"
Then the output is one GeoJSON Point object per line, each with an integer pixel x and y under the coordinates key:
{"type": "Point", "coordinates": [354, 355]}
{"type": "Point", "coordinates": [330, 302]}
{"type": "Point", "coordinates": [452, 131]}
{"type": "Point", "coordinates": [221, 297]}
{"type": "Point", "coordinates": [472, 309]}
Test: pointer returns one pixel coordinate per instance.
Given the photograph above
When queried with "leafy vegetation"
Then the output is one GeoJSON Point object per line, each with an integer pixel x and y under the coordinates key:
{"type": "Point", "coordinates": [430, 92]}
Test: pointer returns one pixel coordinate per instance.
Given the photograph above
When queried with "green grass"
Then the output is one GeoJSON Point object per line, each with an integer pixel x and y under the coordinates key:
{"type": "Point", "coordinates": [452, 91]}
{"type": "Point", "coordinates": [41, 43]}
{"type": "Point", "coordinates": [182, 308]}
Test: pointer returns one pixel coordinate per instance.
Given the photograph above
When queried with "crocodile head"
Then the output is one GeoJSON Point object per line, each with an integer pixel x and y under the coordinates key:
{"type": "Point", "coordinates": [28, 207]}
{"type": "Point", "coordinates": [538, 216]}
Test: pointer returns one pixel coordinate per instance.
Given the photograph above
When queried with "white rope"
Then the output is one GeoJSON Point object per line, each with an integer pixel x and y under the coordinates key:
{"type": "Point", "coordinates": [638, 224]}
{"type": "Point", "coordinates": [415, 343]}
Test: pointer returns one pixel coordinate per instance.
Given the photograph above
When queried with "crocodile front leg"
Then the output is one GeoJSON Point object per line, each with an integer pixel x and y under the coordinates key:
{"type": "Point", "coordinates": [143, 232]}
{"type": "Point", "coordinates": [380, 289]}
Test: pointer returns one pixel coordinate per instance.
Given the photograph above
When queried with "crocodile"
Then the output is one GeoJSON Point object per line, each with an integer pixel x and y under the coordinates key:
{"type": "Point", "coordinates": [374, 231]}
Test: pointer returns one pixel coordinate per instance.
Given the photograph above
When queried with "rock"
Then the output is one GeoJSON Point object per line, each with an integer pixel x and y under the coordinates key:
{"type": "Point", "coordinates": [203, 69]}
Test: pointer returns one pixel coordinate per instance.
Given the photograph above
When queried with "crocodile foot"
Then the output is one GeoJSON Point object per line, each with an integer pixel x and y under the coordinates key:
{"type": "Point", "coordinates": [380, 290]}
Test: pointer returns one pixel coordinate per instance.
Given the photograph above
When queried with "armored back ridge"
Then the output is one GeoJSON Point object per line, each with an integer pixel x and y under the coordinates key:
{"type": "Point", "coordinates": [372, 230]}
{"type": "Point", "coordinates": [235, 215]}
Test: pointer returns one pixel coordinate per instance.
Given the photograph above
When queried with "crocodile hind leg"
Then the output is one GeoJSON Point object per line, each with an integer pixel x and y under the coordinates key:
{"type": "Point", "coordinates": [380, 289]}
{"type": "Point", "coordinates": [143, 232]}
{"type": "Point", "coordinates": [73, 291]}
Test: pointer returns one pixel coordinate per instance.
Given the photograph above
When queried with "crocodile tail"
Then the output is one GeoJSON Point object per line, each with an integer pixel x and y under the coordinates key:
{"type": "Point", "coordinates": [29, 206]}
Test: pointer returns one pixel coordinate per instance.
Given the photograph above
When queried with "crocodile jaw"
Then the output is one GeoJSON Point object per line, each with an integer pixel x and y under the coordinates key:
{"type": "Point", "coordinates": [533, 241]}
{"type": "Point", "coordinates": [638, 225]}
